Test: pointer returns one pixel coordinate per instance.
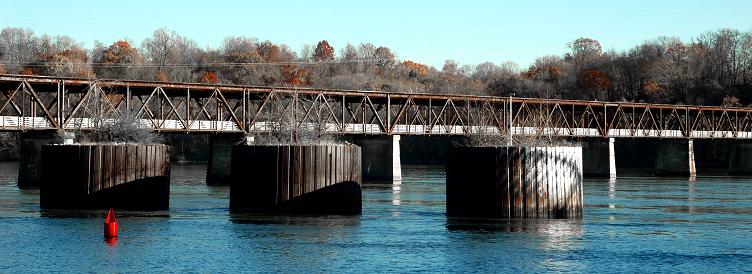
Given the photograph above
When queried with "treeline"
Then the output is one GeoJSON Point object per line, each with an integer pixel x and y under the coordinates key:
{"type": "Point", "coordinates": [714, 68]}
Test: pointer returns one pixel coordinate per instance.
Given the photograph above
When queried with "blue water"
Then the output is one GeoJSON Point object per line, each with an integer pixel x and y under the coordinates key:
{"type": "Point", "coordinates": [632, 224]}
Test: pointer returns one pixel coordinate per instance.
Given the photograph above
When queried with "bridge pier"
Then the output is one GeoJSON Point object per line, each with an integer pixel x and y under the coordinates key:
{"type": "Point", "coordinates": [218, 170]}
{"type": "Point", "coordinates": [740, 159]}
{"type": "Point", "coordinates": [675, 158]}
{"type": "Point", "coordinates": [514, 182]}
{"type": "Point", "coordinates": [380, 158]}
{"type": "Point", "coordinates": [101, 176]}
{"type": "Point", "coordinates": [599, 158]}
{"type": "Point", "coordinates": [30, 160]}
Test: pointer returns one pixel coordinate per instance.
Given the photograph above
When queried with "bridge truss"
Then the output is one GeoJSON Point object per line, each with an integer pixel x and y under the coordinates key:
{"type": "Point", "coordinates": [47, 103]}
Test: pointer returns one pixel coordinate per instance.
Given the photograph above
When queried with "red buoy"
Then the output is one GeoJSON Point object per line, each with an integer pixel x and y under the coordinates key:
{"type": "Point", "coordinates": [110, 226]}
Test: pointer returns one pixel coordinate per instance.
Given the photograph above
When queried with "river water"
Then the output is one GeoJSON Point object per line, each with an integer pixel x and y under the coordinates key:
{"type": "Point", "coordinates": [631, 224]}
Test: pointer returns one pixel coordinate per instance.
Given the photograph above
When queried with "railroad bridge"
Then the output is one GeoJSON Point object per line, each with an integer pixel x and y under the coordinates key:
{"type": "Point", "coordinates": [38, 105]}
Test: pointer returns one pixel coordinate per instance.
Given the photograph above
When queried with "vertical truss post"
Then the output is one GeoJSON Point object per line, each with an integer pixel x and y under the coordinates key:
{"type": "Point", "coordinates": [344, 105]}
{"type": "Point", "coordinates": [189, 119]}
{"type": "Point", "coordinates": [128, 98]}
{"type": "Point", "coordinates": [59, 105]}
{"type": "Point", "coordinates": [245, 111]}
{"type": "Point", "coordinates": [388, 114]}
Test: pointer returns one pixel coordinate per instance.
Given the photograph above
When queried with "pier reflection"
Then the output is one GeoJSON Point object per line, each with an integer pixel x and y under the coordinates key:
{"type": "Point", "coordinates": [558, 228]}
{"type": "Point", "coordinates": [612, 193]}
{"type": "Point", "coordinates": [303, 239]}
{"type": "Point", "coordinates": [396, 189]}
{"type": "Point", "coordinates": [295, 220]}
{"type": "Point", "coordinates": [476, 240]}
{"type": "Point", "coordinates": [99, 213]}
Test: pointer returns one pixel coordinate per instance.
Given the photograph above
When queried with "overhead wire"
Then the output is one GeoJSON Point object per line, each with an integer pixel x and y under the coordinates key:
{"type": "Point", "coordinates": [188, 65]}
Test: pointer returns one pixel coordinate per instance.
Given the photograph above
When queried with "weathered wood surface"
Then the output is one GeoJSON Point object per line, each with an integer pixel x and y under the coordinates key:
{"type": "Point", "coordinates": [318, 179]}
{"type": "Point", "coordinates": [515, 182]}
{"type": "Point", "coordinates": [105, 175]}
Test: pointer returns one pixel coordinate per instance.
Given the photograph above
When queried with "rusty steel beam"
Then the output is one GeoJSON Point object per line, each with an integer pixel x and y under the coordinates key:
{"type": "Point", "coordinates": [27, 104]}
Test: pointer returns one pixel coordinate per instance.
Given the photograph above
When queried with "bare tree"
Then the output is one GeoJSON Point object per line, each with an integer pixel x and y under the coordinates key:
{"type": "Point", "coordinates": [166, 47]}
{"type": "Point", "coordinates": [293, 120]}
{"type": "Point", "coordinates": [109, 123]}
{"type": "Point", "coordinates": [20, 46]}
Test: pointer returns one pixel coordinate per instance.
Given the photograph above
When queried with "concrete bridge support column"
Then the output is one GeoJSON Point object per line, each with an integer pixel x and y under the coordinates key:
{"type": "Point", "coordinates": [675, 158]}
{"type": "Point", "coordinates": [380, 158]}
{"type": "Point", "coordinates": [599, 158]}
{"type": "Point", "coordinates": [30, 162]}
{"type": "Point", "coordinates": [740, 159]}
{"type": "Point", "coordinates": [220, 155]}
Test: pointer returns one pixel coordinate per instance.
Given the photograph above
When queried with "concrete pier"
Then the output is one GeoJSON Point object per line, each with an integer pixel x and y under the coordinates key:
{"type": "Point", "coordinates": [740, 159]}
{"type": "Point", "coordinates": [380, 158]}
{"type": "Point", "coordinates": [317, 179]}
{"type": "Point", "coordinates": [515, 182]}
{"type": "Point", "coordinates": [30, 161]}
{"type": "Point", "coordinates": [102, 176]}
{"type": "Point", "coordinates": [599, 158]}
{"type": "Point", "coordinates": [218, 170]}
{"type": "Point", "coordinates": [675, 158]}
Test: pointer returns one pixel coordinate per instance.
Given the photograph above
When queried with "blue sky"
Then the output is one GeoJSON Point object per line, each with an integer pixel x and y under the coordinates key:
{"type": "Point", "coordinates": [430, 32]}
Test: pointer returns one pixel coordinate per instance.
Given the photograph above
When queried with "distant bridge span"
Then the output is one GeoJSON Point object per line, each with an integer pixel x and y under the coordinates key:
{"type": "Point", "coordinates": [44, 103]}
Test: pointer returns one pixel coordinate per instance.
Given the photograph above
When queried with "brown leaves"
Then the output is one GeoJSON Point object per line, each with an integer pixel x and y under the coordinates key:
{"type": "Point", "coordinates": [295, 76]}
{"type": "Point", "coordinates": [161, 76]}
{"type": "Point", "coordinates": [545, 72]}
{"type": "Point", "coordinates": [28, 71]}
{"type": "Point", "coordinates": [416, 69]}
{"type": "Point", "coordinates": [121, 52]}
{"type": "Point", "coordinates": [269, 52]}
{"type": "Point", "coordinates": [324, 52]}
{"type": "Point", "coordinates": [651, 86]}
{"type": "Point", "coordinates": [209, 77]}
{"type": "Point", "coordinates": [594, 80]}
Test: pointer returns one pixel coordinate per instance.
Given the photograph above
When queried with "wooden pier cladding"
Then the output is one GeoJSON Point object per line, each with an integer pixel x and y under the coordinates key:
{"type": "Point", "coordinates": [309, 179]}
{"type": "Point", "coordinates": [515, 182]}
{"type": "Point", "coordinates": [128, 176]}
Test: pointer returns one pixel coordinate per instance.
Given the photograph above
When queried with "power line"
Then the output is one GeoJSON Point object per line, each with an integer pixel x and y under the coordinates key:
{"type": "Point", "coordinates": [190, 65]}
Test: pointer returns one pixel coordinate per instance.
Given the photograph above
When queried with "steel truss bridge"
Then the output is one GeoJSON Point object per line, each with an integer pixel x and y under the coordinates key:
{"type": "Point", "coordinates": [49, 103]}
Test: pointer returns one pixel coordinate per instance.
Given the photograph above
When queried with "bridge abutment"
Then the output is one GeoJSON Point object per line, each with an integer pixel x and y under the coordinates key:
{"type": "Point", "coordinates": [599, 158]}
{"type": "Point", "coordinates": [218, 170]}
{"type": "Point", "coordinates": [380, 157]}
{"type": "Point", "coordinates": [30, 160]}
{"type": "Point", "coordinates": [740, 159]}
{"type": "Point", "coordinates": [675, 158]}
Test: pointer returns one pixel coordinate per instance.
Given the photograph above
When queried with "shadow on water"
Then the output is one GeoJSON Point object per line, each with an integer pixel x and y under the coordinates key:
{"type": "Point", "coordinates": [219, 191]}
{"type": "Point", "coordinates": [99, 213]}
{"type": "Point", "coordinates": [563, 227]}
{"type": "Point", "coordinates": [315, 220]}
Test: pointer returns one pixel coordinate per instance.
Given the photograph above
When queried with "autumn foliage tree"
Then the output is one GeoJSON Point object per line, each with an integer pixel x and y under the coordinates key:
{"type": "Point", "coordinates": [295, 76]}
{"type": "Point", "coordinates": [595, 82]}
{"type": "Point", "coordinates": [209, 77]}
{"type": "Point", "coordinates": [324, 52]}
{"type": "Point", "coordinates": [118, 61]}
{"type": "Point", "coordinates": [416, 69]}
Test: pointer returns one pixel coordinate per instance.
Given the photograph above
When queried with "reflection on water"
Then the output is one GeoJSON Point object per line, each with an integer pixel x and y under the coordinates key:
{"type": "Point", "coordinates": [295, 220]}
{"type": "Point", "coordinates": [556, 227]}
{"type": "Point", "coordinates": [396, 194]}
{"type": "Point", "coordinates": [111, 242]}
{"type": "Point", "coordinates": [630, 224]}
